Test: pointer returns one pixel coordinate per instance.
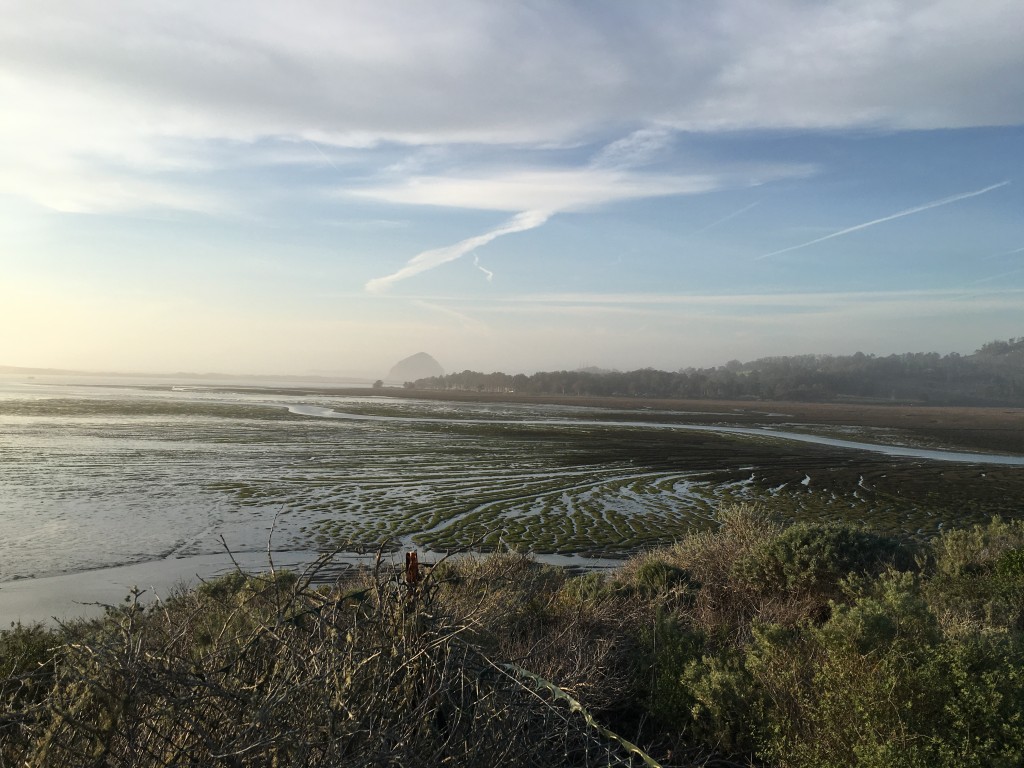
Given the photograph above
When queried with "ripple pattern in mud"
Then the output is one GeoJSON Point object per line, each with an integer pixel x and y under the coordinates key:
{"type": "Point", "coordinates": [95, 481]}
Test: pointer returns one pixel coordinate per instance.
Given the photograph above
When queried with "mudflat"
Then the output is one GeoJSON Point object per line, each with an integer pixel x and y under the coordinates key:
{"type": "Point", "coordinates": [992, 429]}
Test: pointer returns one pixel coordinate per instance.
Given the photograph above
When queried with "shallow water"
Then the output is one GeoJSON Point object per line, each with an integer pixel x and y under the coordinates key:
{"type": "Point", "coordinates": [800, 437]}
{"type": "Point", "coordinates": [106, 476]}
{"type": "Point", "coordinates": [99, 477]}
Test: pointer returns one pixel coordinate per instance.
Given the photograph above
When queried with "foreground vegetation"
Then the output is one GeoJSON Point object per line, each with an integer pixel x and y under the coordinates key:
{"type": "Point", "coordinates": [753, 643]}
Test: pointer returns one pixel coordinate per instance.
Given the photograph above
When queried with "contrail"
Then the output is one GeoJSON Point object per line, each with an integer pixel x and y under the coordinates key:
{"type": "Point", "coordinates": [724, 219]}
{"type": "Point", "coordinates": [487, 273]}
{"type": "Point", "coordinates": [323, 155]}
{"type": "Point", "coordinates": [435, 257]}
{"type": "Point", "coordinates": [908, 212]}
{"type": "Point", "coordinates": [997, 277]}
{"type": "Point", "coordinates": [466, 320]}
{"type": "Point", "coordinates": [1005, 253]}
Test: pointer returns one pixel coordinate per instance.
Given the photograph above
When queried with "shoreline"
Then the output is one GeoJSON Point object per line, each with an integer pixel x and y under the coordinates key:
{"type": "Point", "coordinates": [83, 594]}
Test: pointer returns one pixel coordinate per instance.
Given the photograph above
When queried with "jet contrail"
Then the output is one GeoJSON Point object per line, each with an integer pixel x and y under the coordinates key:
{"type": "Point", "coordinates": [487, 273]}
{"type": "Point", "coordinates": [997, 277]}
{"type": "Point", "coordinates": [323, 155]}
{"type": "Point", "coordinates": [1005, 253]}
{"type": "Point", "coordinates": [435, 257]}
{"type": "Point", "coordinates": [724, 219]}
{"type": "Point", "coordinates": [865, 225]}
{"type": "Point", "coordinates": [466, 320]}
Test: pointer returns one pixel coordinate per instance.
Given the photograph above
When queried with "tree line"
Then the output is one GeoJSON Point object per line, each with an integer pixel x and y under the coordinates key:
{"type": "Point", "coordinates": [992, 375]}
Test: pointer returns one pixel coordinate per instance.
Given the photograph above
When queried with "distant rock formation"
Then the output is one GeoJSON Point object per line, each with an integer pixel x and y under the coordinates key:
{"type": "Point", "coordinates": [418, 366]}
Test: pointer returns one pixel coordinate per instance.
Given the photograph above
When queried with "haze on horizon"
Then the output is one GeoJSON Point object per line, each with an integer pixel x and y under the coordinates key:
{"type": "Point", "coordinates": [266, 188]}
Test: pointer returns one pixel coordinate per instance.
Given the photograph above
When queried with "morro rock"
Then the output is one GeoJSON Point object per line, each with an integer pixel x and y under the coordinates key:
{"type": "Point", "coordinates": [418, 366]}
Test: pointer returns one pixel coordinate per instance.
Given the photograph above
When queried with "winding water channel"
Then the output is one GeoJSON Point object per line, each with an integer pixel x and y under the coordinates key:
{"type": "Point", "coordinates": [962, 457]}
{"type": "Point", "coordinates": [103, 487]}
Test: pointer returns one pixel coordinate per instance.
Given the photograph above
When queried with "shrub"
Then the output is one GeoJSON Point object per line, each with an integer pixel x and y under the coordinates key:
{"type": "Point", "coordinates": [24, 648]}
{"type": "Point", "coordinates": [877, 684]}
{"type": "Point", "coordinates": [26, 673]}
{"type": "Point", "coordinates": [370, 673]}
{"type": "Point", "coordinates": [751, 644]}
{"type": "Point", "coordinates": [978, 576]}
{"type": "Point", "coordinates": [723, 606]}
{"type": "Point", "coordinates": [970, 551]}
{"type": "Point", "coordinates": [814, 559]}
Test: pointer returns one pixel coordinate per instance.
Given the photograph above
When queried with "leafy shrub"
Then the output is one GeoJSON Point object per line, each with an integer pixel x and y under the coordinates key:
{"type": "Point", "coordinates": [589, 587]}
{"type": "Point", "coordinates": [723, 606]}
{"type": "Point", "coordinates": [978, 575]}
{"type": "Point", "coordinates": [816, 558]}
{"type": "Point", "coordinates": [1009, 569]}
{"type": "Point", "coordinates": [654, 575]}
{"type": "Point", "coordinates": [970, 551]}
{"type": "Point", "coordinates": [878, 684]}
{"type": "Point", "coordinates": [749, 644]}
{"type": "Point", "coordinates": [668, 646]}
{"type": "Point", "coordinates": [25, 647]}
{"type": "Point", "coordinates": [27, 662]}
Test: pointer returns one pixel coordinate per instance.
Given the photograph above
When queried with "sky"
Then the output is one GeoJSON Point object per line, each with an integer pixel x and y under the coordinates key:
{"type": "Point", "coordinates": [323, 187]}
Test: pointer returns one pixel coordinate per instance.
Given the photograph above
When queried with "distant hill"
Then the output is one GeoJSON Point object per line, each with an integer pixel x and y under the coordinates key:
{"type": "Point", "coordinates": [993, 375]}
{"type": "Point", "coordinates": [418, 366]}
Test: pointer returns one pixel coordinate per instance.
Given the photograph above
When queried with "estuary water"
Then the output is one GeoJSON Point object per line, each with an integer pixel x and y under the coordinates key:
{"type": "Point", "coordinates": [109, 483]}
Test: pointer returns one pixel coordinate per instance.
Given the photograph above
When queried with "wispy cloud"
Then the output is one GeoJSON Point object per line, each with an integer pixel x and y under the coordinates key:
{"type": "Point", "coordinates": [638, 148]}
{"type": "Point", "coordinates": [548, 189]}
{"type": "Point", "coordinates": [899, 215]}
{"type": "Point", "coordinates": [539, 194]}
{"type": "Point", "coordinates": [435, 257]}
{"type": "Point", "coordinates": [80, 94]}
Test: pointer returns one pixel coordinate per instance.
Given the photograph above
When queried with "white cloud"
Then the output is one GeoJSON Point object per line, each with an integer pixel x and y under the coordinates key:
{"type": "Point", "coordinates": [641, 147]}
{"type": "Point", "coordinates": [105, 89]}
{"type": "Point", "coordinates": [549, 190]}
{"type": "Point", "coordinates": [538, 194]}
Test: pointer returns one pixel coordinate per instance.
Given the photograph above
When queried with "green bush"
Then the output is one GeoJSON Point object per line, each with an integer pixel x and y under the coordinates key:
{"type": "Point", "coordinates": [807, 558]}
{"type": "Point", "coordinates": [969, 551]}
{"type": "Point", "coordinates": [878, 684]}
{"type": "Point", "coordinates": [26, 647]}
{"type": "Point", "coordinates": [27, 663]}
{"type": "Point", "coordinates": [978, 575]}
{"type": "Point", "coordinates": [668, 646]}
{"type": "Point", "coordinates": [803, 646]}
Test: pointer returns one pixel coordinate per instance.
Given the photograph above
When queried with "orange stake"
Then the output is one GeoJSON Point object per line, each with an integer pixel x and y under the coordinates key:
{"type": "Point", "coordinates": [412, 569]}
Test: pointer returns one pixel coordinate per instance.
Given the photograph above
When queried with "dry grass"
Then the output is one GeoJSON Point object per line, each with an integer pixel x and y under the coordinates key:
{"type": "Point", "coordinates": [498, 660]}
{"type": "Point", "coordinates": [269, 671]}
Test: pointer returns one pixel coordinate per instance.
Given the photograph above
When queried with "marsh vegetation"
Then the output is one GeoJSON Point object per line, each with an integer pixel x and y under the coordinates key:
{"type": "Point", "coordinates": [750, 643]}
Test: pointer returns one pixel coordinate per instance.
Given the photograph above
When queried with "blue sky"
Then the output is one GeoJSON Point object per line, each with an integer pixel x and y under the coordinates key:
{"type": "Point", "coordinates": [313, 187]}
